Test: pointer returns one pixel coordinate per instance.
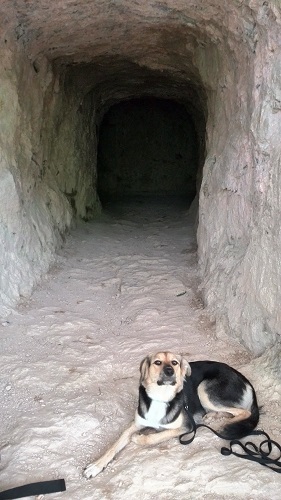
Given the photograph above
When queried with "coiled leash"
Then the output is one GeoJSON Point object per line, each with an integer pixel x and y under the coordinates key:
{"type": "Point", "coordinates": [41, 488]}
{"type": "Point", "coordinates": [249, 451]}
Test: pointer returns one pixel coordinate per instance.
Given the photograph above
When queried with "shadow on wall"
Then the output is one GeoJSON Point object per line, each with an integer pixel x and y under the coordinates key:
{"type": "Point", "coordinates": [147, 147]}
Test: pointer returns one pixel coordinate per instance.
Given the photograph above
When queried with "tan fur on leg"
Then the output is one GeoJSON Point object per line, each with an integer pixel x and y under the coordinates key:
{"type": "Point", "coordinates": [216, 415]}
{"type": "Point", "coordinates": [236, 414]}
{"type": "Point", "coordinates": [157, 437]}
{"type": "Point", "coordinates": [95, 468]}
{"type": "Point", "coordinates": [217, 423]}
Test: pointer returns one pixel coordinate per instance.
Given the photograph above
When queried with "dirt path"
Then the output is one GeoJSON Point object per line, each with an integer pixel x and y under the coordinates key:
{"type": "Point", "coordinates": [124, 286]}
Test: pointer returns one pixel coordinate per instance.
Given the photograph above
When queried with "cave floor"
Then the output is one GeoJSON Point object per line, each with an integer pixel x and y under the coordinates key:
{"type": "Point", "coordinates": [123, 286]}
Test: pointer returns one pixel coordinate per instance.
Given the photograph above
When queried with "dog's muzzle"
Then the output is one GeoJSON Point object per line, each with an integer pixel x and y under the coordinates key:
{"type": "Point", "coordinates": [167, 376]}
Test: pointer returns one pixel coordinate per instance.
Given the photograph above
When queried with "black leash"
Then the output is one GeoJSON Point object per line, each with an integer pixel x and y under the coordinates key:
{"type": "Point", "coordinates": [33, 489]}
{"type": "Point", "coordinates": [249, 451]}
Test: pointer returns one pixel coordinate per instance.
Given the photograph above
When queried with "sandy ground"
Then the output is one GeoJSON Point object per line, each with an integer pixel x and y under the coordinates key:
{"type": "Point", "coordinates": [124, 286]}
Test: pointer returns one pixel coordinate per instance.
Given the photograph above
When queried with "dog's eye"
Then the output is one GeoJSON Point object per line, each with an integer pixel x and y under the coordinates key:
{"type": "Point", "coordinates": [175, 362]}
{"type": "Point", "coordinates": [158, 362]}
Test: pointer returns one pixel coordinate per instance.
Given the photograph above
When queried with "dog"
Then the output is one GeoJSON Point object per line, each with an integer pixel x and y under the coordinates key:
{"type": "Point", "coordinates": [214, 393]}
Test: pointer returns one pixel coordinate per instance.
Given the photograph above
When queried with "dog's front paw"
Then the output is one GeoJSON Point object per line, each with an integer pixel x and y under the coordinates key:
{"type": "Point", "coordinates": [92, 470]}
{"type": "Point", "coordinates": [140, 439]}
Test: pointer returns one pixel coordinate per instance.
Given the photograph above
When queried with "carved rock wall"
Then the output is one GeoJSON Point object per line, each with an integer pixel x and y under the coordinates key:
{"type": "Point", "coordinates": [240, 255]}
{"type": "Point", "coordinates": [29, 230]}
{"type": "Point", "coordinates": [46, 169]}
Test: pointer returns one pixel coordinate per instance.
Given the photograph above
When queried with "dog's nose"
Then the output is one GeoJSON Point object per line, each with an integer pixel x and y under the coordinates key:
{"type": "Point", "coordinates": [168, 370]}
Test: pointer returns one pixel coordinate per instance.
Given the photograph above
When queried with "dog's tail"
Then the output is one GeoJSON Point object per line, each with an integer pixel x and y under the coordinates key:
{"type": "Point", "coordinates": [242, 428]}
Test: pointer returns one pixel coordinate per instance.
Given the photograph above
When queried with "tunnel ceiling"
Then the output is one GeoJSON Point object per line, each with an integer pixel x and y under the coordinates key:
{"type": "Point", "coordinates": [162, 36]}
{"type": "Point", "coordinates": [80, 31]}
{"type": "Point", "coordinates": [122, 48]}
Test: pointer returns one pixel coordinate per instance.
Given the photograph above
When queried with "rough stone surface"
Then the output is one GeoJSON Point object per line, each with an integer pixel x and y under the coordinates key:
{"type": "Point", "coordinates": [65, 62]}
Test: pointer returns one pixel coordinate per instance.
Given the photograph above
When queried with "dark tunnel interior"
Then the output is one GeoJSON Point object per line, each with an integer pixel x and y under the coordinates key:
{"type": "Point", "coordinates": [147, 147]}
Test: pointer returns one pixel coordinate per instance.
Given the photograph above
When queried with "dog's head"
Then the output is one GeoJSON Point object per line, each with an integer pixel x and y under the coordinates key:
{"type": "Point", "coordinates": [162, 374]}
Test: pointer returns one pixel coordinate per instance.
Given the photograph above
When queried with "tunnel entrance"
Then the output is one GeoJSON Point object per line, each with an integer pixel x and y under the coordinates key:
{"type": "Point", "coordinates": [147, 147]}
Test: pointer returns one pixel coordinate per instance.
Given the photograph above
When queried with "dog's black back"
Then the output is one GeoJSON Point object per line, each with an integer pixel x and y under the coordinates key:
{"type": "Point", "coordinates": [224, 386]}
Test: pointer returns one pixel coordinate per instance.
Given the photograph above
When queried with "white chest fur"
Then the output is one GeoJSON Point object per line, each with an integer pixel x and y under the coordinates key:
{"type": "Point", "coordinates": [153, 417]}
{"type": "Point", "coordinates": [156, 412]}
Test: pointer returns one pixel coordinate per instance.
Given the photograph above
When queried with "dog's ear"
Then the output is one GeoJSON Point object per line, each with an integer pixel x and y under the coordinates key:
{"type": "Point", "coordinates": [185, 368]}
{"type": "Point", "coordinates": [144, 367]}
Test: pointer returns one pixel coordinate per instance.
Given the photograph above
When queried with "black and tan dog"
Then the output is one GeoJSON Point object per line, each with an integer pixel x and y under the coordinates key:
{"type": "Point", "coordinates": [214, 393]}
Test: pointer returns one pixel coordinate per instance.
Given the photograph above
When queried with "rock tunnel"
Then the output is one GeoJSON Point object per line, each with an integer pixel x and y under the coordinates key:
{"type": "Point", "coordinates": [68, 68]}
